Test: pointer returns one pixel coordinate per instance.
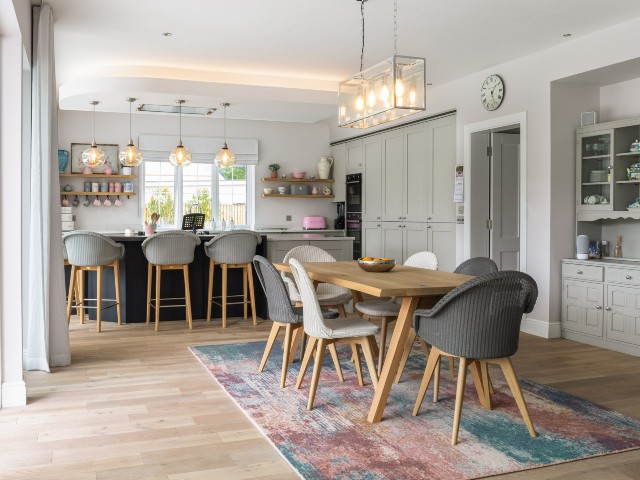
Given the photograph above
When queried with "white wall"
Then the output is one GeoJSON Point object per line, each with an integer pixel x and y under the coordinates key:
{"type": "Point", "coordinates": [295, 146]}
{"type": "Point", "coordinates": [619, 101]}
{"type": "Point", "coordinates": [528, 89]}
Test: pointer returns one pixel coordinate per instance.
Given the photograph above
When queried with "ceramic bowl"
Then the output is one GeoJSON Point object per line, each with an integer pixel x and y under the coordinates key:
{"type": "Point", "coordinates": [268, 191]}
{"type": "Point", "coordinates": [376, 265]}
{"type": "Point", "coordinates": [298, 174]}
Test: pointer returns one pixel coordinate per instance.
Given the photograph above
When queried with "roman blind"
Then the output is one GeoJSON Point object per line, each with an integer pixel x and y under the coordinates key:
{"type": "Point", "coordinates": [203, 149]}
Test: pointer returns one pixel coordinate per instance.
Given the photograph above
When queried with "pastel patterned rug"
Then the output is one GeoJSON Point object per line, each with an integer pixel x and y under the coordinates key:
{"type": "Point", "coordinates": [334, 440]}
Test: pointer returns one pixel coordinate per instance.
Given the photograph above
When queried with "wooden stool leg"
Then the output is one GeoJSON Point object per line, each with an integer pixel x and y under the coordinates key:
{"type": "Point", "coordinates": [116, 276]}
{"type": "Point", "coordinates": [224, 295]}
{"type": "Point", "coordinates": [187, 295]}
{"type": "Point", "coordinates": [149, 282]}
{"type": "Point", "coordinates": [72, 286]}
{"type": "Point", "coordinates": [252, 295]}
{"type": "Point", "coordinates": [244, 291]}
{"type": "Point", "coordinates": [383, 343]}
{"type": "Point", "coordinates": [158, 275]}
{"type": "Point", "coordinates": [462, 380]}
{"type": "Point", "coordinates": [317, 366]}
{"type": "Point", "coordinates": [212, 266]}
{"type": "Point", "coordinates": [99, 301]}
{"type": "Point", "coordinates": [80, 297]}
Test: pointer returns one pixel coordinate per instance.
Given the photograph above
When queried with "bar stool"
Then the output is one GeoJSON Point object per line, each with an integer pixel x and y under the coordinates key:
{"type": "Point", "coordinates": [172, 250]}
{"type": "Point", "coordinates": [91, 251]}
{"type": "Point", "coordinates": [232, 250]}
{"type": "Point", "coordinates": [78, 291]}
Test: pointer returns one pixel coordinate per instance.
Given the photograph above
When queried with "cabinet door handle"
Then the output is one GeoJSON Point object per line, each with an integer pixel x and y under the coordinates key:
{"type": "Point", "coordinates": [598, 307]}
{"type": "Point", "coordinates": [607, 309]}
{"type": "Point", "coordinates": [628, 277]}
{"type": "Point", "coordinates": [579, 272]}
{"type": "Point", "coordinates": [377, 218]}
{"type": "Point", "coordinates": [399, 226]}
{"type": "Point", "coordinates": [428, 218]}
{"type": "Point", "coordinates": [428, 226]}
{"type": "Point", "coordinates": [377, 225]}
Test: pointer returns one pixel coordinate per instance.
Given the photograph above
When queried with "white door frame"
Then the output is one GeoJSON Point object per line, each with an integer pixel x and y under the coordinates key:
{"type": "Point", "coordinates": [516, 118]}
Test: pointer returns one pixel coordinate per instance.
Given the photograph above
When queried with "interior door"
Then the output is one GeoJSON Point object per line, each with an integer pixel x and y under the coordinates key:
{"type": "Point", "coordinates": [504, 239]}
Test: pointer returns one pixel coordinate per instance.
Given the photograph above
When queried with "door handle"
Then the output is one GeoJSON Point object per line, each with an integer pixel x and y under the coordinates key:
{"type": "Point", "coordinates": [579, 272]}
{"type": "Point", "coordinates": [628, 277]}
{"type": "Point", "coordinates": [607, 309]}
{"type": "Point", "coordinates": [428, 226]}
{"type": "Point", "coordinates": [377, 225]}
{"type": "Point", "coordinates": [598, 307]}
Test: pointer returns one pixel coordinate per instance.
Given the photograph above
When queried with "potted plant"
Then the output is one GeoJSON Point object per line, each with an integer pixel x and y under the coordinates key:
{"type": "Point", "coordinates": [274, 167]}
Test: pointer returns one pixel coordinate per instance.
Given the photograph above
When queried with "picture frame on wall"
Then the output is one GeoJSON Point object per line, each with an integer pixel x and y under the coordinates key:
{"type": "Point", "coordinates": [110, 151]}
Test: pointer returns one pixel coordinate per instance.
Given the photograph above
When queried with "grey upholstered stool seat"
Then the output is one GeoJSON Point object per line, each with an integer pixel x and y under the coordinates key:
{"type": "Point", "coordinates": [387, 311]}
{"type": "Point", "coordinates": [232, 250]}
{"type": "Point", "coordinates": [282, 314]}
{"type": "Point", "coordinates": [331, 296]}
{"type": "Point", "coordinates": [91, 251]}
{"type": "Point", "coordinates": [324, 333]}
{"type": "Point", "coordinates": [478, 322]}
{"type": "Point", "coordinates": [171, 250]}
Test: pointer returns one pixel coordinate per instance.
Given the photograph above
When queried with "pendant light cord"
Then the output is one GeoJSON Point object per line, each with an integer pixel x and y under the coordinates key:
{"type": "Point", "coordinates": [224, 125]}
{"type": "Point", "coordinates": [130, 137]}
{"type": "Point", "coordinates": [395, 27]}
{"type": "Point", "coordinates": [362, 48]}
{"type": "Point", "coordinates": [180, 117]}
{"type": "Point", "coordinates": [94, 124]}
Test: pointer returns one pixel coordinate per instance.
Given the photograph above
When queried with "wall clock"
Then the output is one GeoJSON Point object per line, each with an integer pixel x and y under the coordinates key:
{"type": "Point", "coordinates": [492, 92]}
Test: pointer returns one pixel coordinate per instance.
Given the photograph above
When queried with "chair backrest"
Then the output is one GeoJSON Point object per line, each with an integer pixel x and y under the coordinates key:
{"type": "Point", "coordinates": [426, 260]}
{"type": "Point", "coordinates": [313, 321]}
{"type": "Point", "coordinates": [477, 266]}
{"type": "Point", "coordinates": [89, 249]}
{"type": "Point", "coordinates": [303, 253]}
{"type": "Point", "coordinates": [173, 247]}
{"type": "Point", "coordinates": [280, 309]}
{"type": "Point", "coordinates": [481, 318]}
{"type": "Point", "coordinates": [236, 247]}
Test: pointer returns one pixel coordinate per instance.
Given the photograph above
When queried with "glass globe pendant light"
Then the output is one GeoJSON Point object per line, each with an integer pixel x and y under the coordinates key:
{"type": "Point", "coordinates": [93, 157]}
{"type": "Point", "coordinates": [225, 157]}
{"type": "Point", "coordinates": [180, 156]}
{"type": "Point", "coordinates": [130, 156]}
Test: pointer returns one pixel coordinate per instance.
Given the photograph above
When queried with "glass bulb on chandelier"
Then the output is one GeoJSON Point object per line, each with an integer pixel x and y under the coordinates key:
{"type": "Point", "coordinates": [180, 156]}
{"type": "Point", "coordinates": [225, 157]}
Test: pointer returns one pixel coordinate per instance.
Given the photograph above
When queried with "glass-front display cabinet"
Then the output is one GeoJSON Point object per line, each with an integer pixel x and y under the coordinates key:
{"type": "Point", "coordinates": [595, 164]}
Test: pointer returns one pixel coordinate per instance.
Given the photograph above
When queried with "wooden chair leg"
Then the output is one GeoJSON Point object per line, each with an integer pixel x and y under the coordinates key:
{"type": "Point", "coordinates": [157, 302]}
{"type": "Point", "coordinates": [342, 311]}
{"type": "Point", "coordinates": [295, 343]}
{"type": "Point", "coordinates": [462, 380]}
{"type": "Point", "coordinates": [514, 385]}
{"type": "Point", "coordinates": [308, 352]}
{"type": "Point", "coordinates": [452, 368]}
{"type": "Point", "coordinates": [486, 383]}
{"type": "Point", "coordinates": [317, 367]}
{"type": "Point", "coordinates": [225, 268]}
{"type": "Point", "coordinates": [72, 286]}
{"type": "Point", "coordinates": [478, 380]}
{"type": "Point", "coordinates": [99, 301]}
{"type": "Point", "coordinates": [116, 274]}
{"type": "Point", "coordinates": [383, 343]}
{"type": "Point", "coordinates": [252, 295]}
{"type": "Point", "coordinates": [273, 334]}
{"type": "Point", "coordinates": [407, 351]}
{"type": "Point", "coordinates": [285, 355]}
{"type": "Point", "coordinates": [149, 282]}
{"type": "Point", "coordinates": [212, 266]}
{"type": "Point", "coordinates": [356, 357]}
{"type": "Point", "coordinates": [432, 363]}
{"type": "Point", "coordinates": [244, 292]}
{"type": "Point", "coordinates": [336, 360]}
{"type": "Point", "coordinates": [187, 295]}
{"type": "Point", "coordinates": [369, 358]}
{"type": "Point", "coordinates": [436, 380]}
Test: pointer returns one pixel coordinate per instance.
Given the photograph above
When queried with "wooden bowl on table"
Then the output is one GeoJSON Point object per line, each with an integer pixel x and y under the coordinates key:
{"type": "Point", "coordinates": [369, 264]}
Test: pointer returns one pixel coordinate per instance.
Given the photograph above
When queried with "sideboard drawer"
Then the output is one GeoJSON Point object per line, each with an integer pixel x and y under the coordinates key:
{"type": "Point", "coordinates": [624, 276]}
{"type": "Point", "coordinates": [583, 272]}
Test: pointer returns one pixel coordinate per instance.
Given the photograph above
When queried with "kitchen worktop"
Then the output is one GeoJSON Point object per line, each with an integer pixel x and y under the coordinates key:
{"type": "Point", "coordinates": [629, 262]}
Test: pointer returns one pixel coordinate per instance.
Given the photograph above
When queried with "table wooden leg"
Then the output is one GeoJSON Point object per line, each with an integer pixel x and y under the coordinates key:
{"type": "Point", "coordinates": [394, 354]}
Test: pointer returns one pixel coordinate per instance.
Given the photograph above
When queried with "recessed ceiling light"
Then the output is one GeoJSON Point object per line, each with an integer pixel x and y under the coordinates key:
{"type": "Point", "coordinates": [566, 35]}
{"type": "Point", "coordinates": [167, 34]}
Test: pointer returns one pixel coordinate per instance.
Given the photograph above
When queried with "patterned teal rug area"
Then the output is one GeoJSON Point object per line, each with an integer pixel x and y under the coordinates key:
{"type": "Point", "coordinates": [334, 440]}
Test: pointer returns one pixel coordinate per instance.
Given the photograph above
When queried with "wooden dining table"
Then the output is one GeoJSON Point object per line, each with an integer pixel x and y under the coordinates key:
{"type": "Point", "coordinates": [418, 288]}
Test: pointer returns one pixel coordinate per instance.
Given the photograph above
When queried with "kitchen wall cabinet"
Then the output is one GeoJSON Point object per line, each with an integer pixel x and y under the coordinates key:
{"type": "Point", "coordinates": [372, 182]}
{"type": "Point", "coordinates": [339, 154]}
{"type": "Point", "coordinates": [353, 153]}
{"type": "Point", "coordinates": [392, 183]}
{"type": "Point", "coordinates": [441, 162]}
{"type": "Point", "coordinates": [601, 303]}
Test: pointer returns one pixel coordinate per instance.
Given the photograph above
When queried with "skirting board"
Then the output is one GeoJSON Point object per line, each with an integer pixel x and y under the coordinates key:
{"type": "Point", "coordinates": [540, 328]}
{"type": "Point", "coordinates": [14, 394]}
{"type": "Point", "coordinates": [602, 342]}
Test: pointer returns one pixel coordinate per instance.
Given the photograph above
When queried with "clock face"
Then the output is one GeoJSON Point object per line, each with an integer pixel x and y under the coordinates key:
{"type": "Point", "coordinates": [492, 92]}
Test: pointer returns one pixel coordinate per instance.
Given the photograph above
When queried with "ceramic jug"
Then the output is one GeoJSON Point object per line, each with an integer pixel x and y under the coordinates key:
{"type": "Point", "coordinates": [324, 167]}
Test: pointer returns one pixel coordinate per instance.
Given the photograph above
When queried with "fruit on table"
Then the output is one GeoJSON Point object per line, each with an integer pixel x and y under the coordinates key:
{"type": "Point", "coordinates": [367, 259]}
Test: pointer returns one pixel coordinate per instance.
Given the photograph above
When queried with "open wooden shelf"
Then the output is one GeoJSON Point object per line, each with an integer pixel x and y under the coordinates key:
{"type": "Point", "coordinates": [288, 195]}
{"type": "Point", "coordinates": [299, 180]}
{"type": "Point", "coordinates": [90, 194]}
{"type": "Point", "coordinates": [94, 175]}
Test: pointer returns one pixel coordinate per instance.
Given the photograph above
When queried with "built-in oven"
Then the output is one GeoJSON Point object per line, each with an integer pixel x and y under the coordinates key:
{"type": "Point", "coordinates": [354, 212]}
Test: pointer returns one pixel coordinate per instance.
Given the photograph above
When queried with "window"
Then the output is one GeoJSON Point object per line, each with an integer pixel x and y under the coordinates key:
{"type": "Point", "coordinates": [201, 187]}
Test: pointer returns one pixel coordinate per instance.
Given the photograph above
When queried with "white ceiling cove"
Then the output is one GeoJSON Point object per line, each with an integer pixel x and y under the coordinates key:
{"type": "Point", "coordinates": [281, 59]}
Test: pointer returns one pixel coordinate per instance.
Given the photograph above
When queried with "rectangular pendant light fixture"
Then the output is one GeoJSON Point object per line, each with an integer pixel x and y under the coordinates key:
{"type": "Point", "coordinates": [391, 89]}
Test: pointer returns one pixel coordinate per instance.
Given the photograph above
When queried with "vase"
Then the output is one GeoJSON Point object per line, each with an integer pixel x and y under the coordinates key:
{"type": "Point", "coordinates": [324, 167]}
{"type": "Point", "coordinates": [63, 160]}
{"type": "Point", "coordinates": [274, 174]}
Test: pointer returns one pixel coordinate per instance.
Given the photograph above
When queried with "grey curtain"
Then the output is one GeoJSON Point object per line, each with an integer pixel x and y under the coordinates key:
{"type": "Point", "coordinates": [47, 333]}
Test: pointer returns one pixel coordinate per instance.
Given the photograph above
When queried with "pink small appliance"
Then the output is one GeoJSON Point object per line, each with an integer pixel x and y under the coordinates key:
{"type": "Point", "coordinates": [314, 223]}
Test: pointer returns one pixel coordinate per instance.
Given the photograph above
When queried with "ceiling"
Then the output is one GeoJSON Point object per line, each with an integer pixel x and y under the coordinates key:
{"type": "Point", "coordinates": [281, 59]}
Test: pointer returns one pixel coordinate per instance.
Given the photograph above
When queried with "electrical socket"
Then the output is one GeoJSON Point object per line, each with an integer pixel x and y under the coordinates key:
{"type": "Point", "coordinates": [288, 218]}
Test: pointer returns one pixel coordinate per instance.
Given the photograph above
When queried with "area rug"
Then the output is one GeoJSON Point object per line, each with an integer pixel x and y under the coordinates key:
{"type": "Point", "coordinates": [334, 440]}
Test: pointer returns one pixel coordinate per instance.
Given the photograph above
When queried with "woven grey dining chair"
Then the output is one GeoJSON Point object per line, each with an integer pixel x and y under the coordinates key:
{"type": "Point", "coordinates": [232, 250]}
{"type": "Point", "coordinates": [477, 266]}
{"type": "Point", "coordinates": [92, 251]}
{"type": "Point", "coordinates": [324, 332]}
{"type": "Point", "coordinates": [171, 250]}
{"type": "Point", "coordinates": [284, 315]}
{"type": "Point", "coordinates": [329, 296]}
{"type": "Point", "coordinates": [478, 322]}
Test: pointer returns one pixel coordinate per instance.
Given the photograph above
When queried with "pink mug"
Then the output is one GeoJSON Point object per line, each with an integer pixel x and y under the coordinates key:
{"type": "Point", "coordinates": [107, 202]}
{"type": "Point", "coordinates": [118, 202]}
{"type": "Point", "coordinates": [149, 230]}
{"type": "Point", "coordinates": [96, 202]}
{"type": "Point", "coordinates": [117, 187]}
{"type": "Point", "coordinates": [65, 202]}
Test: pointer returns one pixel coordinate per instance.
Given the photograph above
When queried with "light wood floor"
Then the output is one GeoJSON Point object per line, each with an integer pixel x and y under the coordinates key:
{"type": "Point", "coordinates": [137, 405]}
